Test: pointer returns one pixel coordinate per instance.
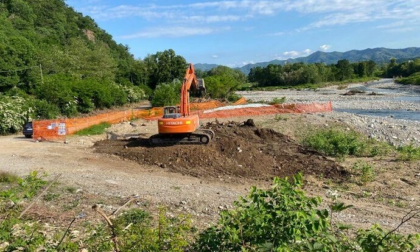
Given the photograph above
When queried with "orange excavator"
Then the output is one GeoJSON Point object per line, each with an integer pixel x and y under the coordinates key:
{"type": "Point", "coordinates": [178, 126]}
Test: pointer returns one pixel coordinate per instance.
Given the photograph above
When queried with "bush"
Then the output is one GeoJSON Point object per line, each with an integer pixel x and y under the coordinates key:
{"type": "Point", "coordinates": [340, 143]}
{"type": "Point", "coordinates": [367, 174]}
{"type": "Point", "coordinates": [412, 79]}
{"type": "Point", "coordinates": [44, 110]}
{"type": "Point", "coordinates": [278, 100]}
{"type": "Point", "coordinates": [167, 94]}
{"type": "Point", "coordinates": [409, 153]}
{"type": "Point", "coordinates": [14, 113]}
{"type": "Point", "coordinates": [283, 218]}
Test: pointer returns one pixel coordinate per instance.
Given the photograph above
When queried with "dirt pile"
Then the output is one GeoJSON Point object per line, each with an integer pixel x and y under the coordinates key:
{"type": "Point", "coordinates": [239, 150]}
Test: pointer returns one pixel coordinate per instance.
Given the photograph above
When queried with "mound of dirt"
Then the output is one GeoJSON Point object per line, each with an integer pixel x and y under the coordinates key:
{"type": "Point", "coordinates": [239, 150]}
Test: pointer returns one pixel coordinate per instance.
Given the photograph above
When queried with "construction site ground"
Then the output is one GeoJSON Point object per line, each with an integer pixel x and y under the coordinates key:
{"type": "Point", "coordinates": [203, 180]}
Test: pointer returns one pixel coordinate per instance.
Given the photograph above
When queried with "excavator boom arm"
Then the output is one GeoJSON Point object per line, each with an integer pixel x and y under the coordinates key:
{"type": "Point", "coordinates": [190, 81]}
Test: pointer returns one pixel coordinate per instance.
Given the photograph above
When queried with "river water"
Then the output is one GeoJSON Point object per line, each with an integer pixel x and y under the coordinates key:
{"type": "Point", "coordinates": [408, 94]}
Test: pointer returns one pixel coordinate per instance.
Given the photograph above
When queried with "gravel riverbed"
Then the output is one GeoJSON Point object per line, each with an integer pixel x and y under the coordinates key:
{"type": "Point", "coordinates": [383, 95]}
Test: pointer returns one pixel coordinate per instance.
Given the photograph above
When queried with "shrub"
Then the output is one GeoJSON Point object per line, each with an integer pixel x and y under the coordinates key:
{"type": "Point", "coordinates": [339, 143]}
{"type": "Point", "coordinates": [134, 94]}
{"type": "Point", "coordinates": [14, 112]}
{"type": "Point", "coordinates": [367, 173]}
{"type": "Point", "coordinates": [409, 153]}
{"type": "Point", "coordinates": [278, 100]}
{"type": "Point", "coordinates": [283, 218]}
{"type": "Point", "coordinates": [167, 94]}
{"type": "Point", "coordinates": [44, 109]}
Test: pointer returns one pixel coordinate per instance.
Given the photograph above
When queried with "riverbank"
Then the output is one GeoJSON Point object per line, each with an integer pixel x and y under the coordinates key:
{"type": "Point", "coordinates": [372, 98]}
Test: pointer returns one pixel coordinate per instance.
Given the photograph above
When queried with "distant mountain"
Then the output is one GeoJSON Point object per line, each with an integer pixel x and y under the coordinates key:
{"type": "Point", "coordinates": [379, 55]}
{"type": "Point", "coordinates": [204, 67]}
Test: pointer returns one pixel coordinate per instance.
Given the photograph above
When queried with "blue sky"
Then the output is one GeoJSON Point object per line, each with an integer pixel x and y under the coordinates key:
{"type": "Point", "coordinates": [237, 32]}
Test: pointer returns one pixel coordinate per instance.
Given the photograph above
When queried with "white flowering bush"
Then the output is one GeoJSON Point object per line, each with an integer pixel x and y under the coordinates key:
{"type": "Point", "coordinates": [134, 94]}
{"type": "Point", "coordinates": [14, 112]}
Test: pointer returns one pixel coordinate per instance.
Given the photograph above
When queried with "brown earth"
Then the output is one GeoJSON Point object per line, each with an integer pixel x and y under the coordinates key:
{"type": "Point", "coordinates": [238, 151]}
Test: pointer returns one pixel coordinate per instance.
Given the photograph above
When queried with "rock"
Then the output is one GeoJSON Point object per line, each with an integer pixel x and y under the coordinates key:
{"type": "Point", "coordinates": [249, 122]}
{"type": "Point", "coordinates": [394, 137]}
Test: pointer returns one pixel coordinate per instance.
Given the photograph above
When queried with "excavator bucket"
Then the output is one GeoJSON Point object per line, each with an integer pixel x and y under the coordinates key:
{"type": "Point", "coordinates": [201, 90]}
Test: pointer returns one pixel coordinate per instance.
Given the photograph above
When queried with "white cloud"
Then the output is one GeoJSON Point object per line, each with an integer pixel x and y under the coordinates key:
{"type": "Point", "coordinates": [331, 12]}
{"type": "Point", "coordinates": [276, 34]}
{"type": "Point", "coordinates": [215, 56]}
{"type": "Point", "coordinates": [291, 54]}
{"type": "Point", "coordinates": [307, 51]}
{"type": "Point", "coordinates": [174, 32]}
{"type": "Point", "coordinates": [325, 47]}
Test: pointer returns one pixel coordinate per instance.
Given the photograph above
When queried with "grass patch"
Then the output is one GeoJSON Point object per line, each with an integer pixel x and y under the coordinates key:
{"type": "Point", "coordinates": [94, 130]}
{"type": "Point", "coordinates": [408, 153]}
{"type": "Point", "coordinates": [340, 143]}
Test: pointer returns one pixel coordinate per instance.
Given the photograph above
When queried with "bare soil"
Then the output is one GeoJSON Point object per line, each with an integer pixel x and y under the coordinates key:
{"type": "Point", "coordinates": [238, 151]}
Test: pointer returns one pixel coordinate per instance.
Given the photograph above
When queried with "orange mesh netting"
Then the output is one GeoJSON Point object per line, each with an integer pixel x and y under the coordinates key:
{"type": "Point", "coordinates": [58, 129]}
{"type": "Point", "coordinates": [274, 109]}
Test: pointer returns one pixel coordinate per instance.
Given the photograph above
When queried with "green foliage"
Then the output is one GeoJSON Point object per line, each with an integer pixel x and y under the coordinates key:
{"type": "Point", "coordinates": [222, 82]}
{"type": "Point", "coordinates": [167, 94]}
{"type": "Point", "coordinates": [409, 153]}
{"type": "Point", "coordinates": [283, 218]}
{"type": "Point", "coordinates": [340, 143]}
{"type": "Point", "coordinates": [278, 100]}
{"type": "Point", "coordinates": [308, 75]}
{"type": "Point", "coordinates": [367, 173]}
{"type": "Point", "coordinates": [94, 130]}
{"type": "Point", "coordinates": [279, 219]}
{"type": "Point", "coordinates": [375, 239]}
{"type": "Point", "coordinates": [22, 188]}
{"type": "Point", "coordinates": [44, 110]}
{"type": "Point", "coordinates": [405, 69]}
{"type": "Point", "coordinates": [14, 113]}
{"type": "Point", "coordinates": [412, 79]}
{"type": "Point", "coordinates": [164, 67]}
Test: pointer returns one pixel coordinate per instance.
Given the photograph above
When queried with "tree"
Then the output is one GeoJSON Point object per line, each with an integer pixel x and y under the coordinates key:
{"type": "Point", "coordinates": [345, 70]}
{"type": "Point", "coordinates": [222, 81]}
{"type": "Point", "coordinates": [164, 67]}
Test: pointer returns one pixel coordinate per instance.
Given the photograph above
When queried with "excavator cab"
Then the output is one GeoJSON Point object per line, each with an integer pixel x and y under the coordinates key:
{"type": "Point", "coordinates": [171, 112]}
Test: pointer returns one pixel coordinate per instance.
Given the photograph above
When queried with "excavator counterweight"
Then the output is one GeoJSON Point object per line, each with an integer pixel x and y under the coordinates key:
{"type": "Point", "coordinates": [177, 126]}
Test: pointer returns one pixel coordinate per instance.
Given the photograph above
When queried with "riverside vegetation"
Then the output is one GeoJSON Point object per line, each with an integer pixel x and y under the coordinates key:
{"type": "Point", "coordinates": [256, 223]}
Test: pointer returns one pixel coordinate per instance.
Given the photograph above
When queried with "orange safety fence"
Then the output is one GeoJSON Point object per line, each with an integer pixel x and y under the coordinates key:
{"type": "Point", "coordinates": [266, 110]}
{"type": "Point", "coordinates": [58, 129]}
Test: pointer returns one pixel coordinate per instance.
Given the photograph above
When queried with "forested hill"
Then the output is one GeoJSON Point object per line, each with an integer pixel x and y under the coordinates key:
{"type": "Point", "coordinates": [56, 62]}
{"type": "Point", "coordinates": [51, 34]}
{"type": "Point", "coordinates": [379, 55]}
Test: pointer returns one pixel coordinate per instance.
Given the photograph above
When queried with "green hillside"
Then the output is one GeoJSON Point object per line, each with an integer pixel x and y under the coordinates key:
{"type": "Point", "coordinates": [56, 62]}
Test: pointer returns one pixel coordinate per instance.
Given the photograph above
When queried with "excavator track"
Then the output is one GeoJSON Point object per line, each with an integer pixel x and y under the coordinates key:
{"type": "Point", "coordinates": [202, 136]}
